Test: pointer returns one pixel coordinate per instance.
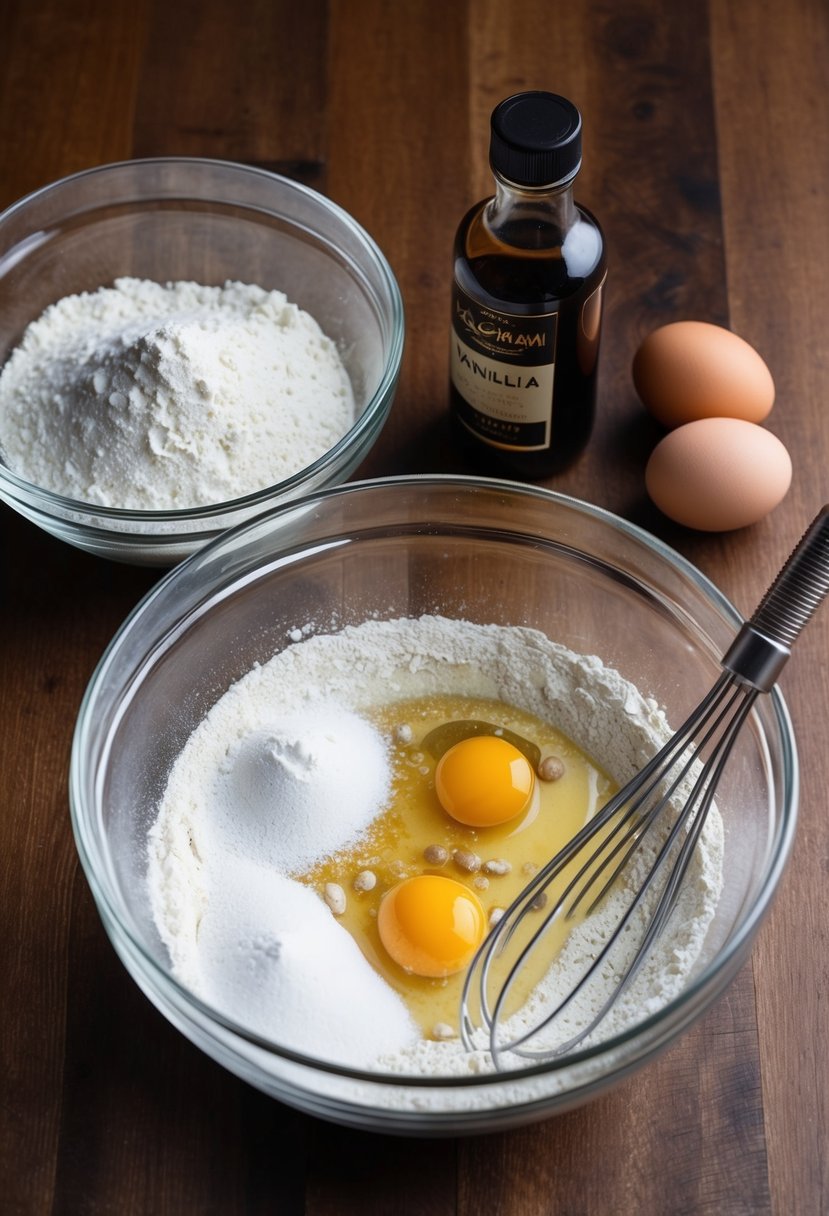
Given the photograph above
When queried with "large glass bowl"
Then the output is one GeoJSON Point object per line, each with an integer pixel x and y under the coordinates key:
{"type": "Point", "coordinates": [207, 221]}
{"type": "Point", "coordinates": [468, 548]}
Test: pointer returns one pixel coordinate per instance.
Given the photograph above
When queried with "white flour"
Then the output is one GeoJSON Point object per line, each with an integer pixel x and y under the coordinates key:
{"type": "Point", "coordinates": [375, 663]}
{"type": "Point", "coordinates": [153, 397]}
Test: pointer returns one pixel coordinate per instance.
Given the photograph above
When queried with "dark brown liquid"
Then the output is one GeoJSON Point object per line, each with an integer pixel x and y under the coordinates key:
{"type": "Point", "coordinates": [514, 279]}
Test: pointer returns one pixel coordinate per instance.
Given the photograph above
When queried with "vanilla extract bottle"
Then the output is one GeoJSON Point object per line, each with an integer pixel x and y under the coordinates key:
{"type": "Point", "coordinates": [529, 273]}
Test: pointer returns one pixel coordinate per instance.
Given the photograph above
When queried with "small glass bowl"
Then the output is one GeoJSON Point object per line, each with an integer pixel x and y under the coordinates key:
{"type": "Point", "coordinates": [469, 549]}
{"type": "Point", "coordinates": [207, 221]}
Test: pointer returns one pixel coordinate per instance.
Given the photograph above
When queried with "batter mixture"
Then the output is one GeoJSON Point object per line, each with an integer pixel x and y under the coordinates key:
{"type": "Point", "coordinates": [306, 799]}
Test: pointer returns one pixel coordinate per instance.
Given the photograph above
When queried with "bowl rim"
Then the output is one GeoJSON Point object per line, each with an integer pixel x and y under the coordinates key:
{"type": "Point", "coordinates": [704, 988]}
{"type": "Point", "coordinates": [375, 409]}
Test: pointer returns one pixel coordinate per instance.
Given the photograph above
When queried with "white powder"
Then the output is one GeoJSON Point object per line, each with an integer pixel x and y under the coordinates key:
{"type": "Point", "coordinates": [375, 663]}
{"type": "Point", "coordinates": [268, 798]}
{"type": "Point", "coordinates": [293, 783]}
{"type": "Point", "coordinates": [272, 957]}
{"type": "Point", "coordinates": [155, 396]}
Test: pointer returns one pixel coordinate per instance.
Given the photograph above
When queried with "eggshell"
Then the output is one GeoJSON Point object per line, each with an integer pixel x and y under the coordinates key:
{"type": "Point", "coordinates": [716, 474]}
{"type": "Point", "coordinates": [690, 370]}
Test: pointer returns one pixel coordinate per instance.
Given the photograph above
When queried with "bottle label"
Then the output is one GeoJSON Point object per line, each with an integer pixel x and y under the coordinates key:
{"type": "Point", "coordinates": [503, 368]}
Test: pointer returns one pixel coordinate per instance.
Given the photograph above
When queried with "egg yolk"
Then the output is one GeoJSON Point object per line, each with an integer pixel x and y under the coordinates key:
{"type": "Point", "coordinates": [483, 781]}
{"type": "Point", "coordinates": [431, 925]}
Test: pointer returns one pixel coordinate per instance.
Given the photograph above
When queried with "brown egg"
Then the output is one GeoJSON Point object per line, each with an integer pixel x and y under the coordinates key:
{"type": "Point", "coordinates": [716, 474]}
{"type": "Point", "coordinates": [690, 370]}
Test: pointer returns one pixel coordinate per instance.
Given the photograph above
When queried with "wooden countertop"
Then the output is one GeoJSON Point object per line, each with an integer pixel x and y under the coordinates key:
{"type": "Point", "coordinates": [707, 160]}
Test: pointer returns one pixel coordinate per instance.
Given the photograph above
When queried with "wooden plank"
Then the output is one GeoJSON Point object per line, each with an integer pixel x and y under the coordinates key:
{"type": "Point", "coordinates": [398, 150]}
{"type": "Point", "coordinates": [109, 1108]}
{"type": "Point", "coordinates": [67, 88]}
{"type": "Point", "coordinates": [360, 1172]}
{"type": "Point", "coordinates": [642, 81]}
{"type": "Point", "coordinates": [243, 84]}
{"type": "Point", "coordinates": [386, 166]}
{"type": "Point", "coordinates": [684, 1135]}
{"type": "Point", "coordinates": [64, 107]}
{"type": "Point", "coordinates": [57, 611]}
{"type": "Point", "coordinates": [774, 169]}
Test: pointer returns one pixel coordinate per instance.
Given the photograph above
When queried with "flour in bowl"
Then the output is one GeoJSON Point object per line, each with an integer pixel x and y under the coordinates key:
{"type": "Point", "coordinates": [151, 396]}
{"type": "Point", "coordinates": [239, 924]}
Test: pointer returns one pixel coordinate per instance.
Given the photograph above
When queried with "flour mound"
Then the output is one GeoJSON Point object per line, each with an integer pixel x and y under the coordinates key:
{"type": "Point", "coordinates": [153, 396]}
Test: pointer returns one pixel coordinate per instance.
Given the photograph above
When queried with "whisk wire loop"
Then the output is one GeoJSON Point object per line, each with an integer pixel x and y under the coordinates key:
{"type": "Point", "coordinates": [624, 809]}
{"type": "Point", "coordinates": [644, 820]}
{"type": "Point", "coordinates": [727, 706]}
{"type": "Point", "coordinates": [682, 779]}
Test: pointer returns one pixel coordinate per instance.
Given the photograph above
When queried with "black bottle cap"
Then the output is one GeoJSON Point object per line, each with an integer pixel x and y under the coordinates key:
{"type": "Point", "coordinates": [535, 139]}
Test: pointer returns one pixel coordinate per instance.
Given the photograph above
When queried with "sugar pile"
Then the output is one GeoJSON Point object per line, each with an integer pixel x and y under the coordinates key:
{"type": "Point", "coordinates": [272, 957]}
{"type": "Point", "coordinates": [153, 396]}
{"type": "Point", "coordinates": [299, 780]}
{"type": "Point", "coordinates": [377, 663]}
{"type": "Point", "coordinates": [278, 794]}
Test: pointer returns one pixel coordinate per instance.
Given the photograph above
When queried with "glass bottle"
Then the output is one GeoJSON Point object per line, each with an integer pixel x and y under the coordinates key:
{"type": "Point", "coordinates": [529, 273]}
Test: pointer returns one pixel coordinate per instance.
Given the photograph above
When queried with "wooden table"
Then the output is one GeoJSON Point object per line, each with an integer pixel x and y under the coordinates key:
{"type": "Point", "coordinates": [707, 159]}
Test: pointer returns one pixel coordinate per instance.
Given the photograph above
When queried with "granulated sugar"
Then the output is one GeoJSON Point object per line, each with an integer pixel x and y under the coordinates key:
{"type": "Point", "coordinates": [153, 396]}
{"type": "Point", "coordinates": [300, 782]}
{"type": "Point", "coordinates": [272, 957]}
{"type": "Point", "coordinates": [376, 663]}
{"type": "Point", "coordinates": [267, 798]}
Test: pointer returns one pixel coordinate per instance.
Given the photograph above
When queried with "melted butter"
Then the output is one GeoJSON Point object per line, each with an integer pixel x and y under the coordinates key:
{"type": "Point", "coordinates": [393, 848]}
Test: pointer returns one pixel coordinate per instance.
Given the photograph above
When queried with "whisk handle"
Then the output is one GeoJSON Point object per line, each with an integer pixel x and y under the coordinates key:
{"type": "Point", "coordinates": [761, 648]}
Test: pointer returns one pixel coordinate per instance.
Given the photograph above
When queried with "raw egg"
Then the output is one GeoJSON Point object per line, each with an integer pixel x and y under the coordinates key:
{"type": "Point", "coordinates": [483, 781]}
{"type": "Point", "coordinates": [690, 370]}
{"type": "Point", "coordinates": [431, 925]}
{"type": "Point", "coordinates": [718, 473]}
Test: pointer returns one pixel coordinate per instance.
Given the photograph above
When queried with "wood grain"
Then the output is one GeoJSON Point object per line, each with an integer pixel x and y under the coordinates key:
{"type": "Point", "coordinates": [707, 160]}
{"type": "Point", "coordinates": [390, 165]}
{"type": "Point", "coordinates": [774, 191]}
{"type": "Point", "coordinates": [68, 76]}
{"type": "Point", "coordinates": [254, 93]}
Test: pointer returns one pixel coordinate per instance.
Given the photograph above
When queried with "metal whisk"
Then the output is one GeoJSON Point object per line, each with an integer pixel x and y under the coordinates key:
{"type": "Point", "coordinates": [682, 777]}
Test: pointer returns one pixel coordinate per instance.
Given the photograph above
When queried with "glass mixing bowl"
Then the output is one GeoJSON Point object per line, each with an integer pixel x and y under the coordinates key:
{"type": "Point", "coordinates": [467, 548]}
{"type": "Point", "coordinates": [207, 221]}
